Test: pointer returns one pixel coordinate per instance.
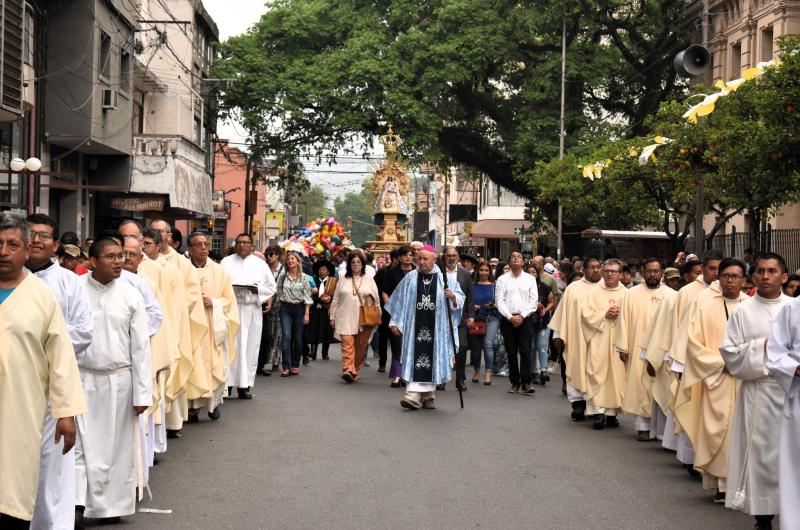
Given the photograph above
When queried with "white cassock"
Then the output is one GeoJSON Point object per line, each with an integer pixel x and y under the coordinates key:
{"type": "Point", "coordinates": [783, 351]}
{"type": "Point", "coordinates": [117, 375]}
{"type": "Point", "coordinates": [55, 496]}
{"type": "Point", "coordinates": [248, 271]}
{"type": "Point", "coordinates": [753, 451]}
{"type": "Point", "coordinates": [155, 316]}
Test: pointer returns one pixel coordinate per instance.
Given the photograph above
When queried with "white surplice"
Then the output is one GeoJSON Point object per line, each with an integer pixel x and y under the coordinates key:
{"type": "Point", "coordinates": [753, 450]}
{"type": "Point", "coordinates": [250, 271]}
{"type": "Point", "coordinates": [155, 315]}
{"type": "Point", "coordinates": [783, 351]}
{"type": "Point", "coordinates": [117, 376]}
{"type": "Point", "coordinates": [55, 496]}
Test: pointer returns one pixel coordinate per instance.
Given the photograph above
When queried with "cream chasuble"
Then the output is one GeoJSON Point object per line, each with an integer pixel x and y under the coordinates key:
{"type": "Point", "coordinates": [567, 323]}
{"type": "Point", "coordinates": [707, 394]}
{"type": "Point", "coordinates": [656, 350]}
{"type": "Point", "coordinates": [605, 372]}
{"type": "Point", "coordinates": [209, 374]}
{"type": "Point", "coordinates": [783, 351]}
{"type": "Point", "coordinates": [37, 363]}
{"type": "Point", "coordinates": [633, 327]}
{"type": "Point", "coordinates": [753, 451]}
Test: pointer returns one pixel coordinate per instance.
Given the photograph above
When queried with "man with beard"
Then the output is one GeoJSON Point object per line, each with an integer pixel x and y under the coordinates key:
{"type": "Point", "coordinates": [633, 327]}
{"type": "Point", "coordinates": [55, 499]}
{"type": "Point", "coordinates": [418, 313]}
{"type": "Point", "coordinates": [568, 331]}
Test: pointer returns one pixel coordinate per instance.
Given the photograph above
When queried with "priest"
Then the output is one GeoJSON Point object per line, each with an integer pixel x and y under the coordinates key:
{"type": "Point", "coordinates": [419, 314]}
{"type": "Point", "coordinates": [193, 333]}
{"type": "Point", "coordinates": [605, 371]}
{"type": "Point", "coordinates": [117, 382]}
{"type": "Point", "coordinates": [783, 352]}
{"type": "Point", "coordinates": [753, 452]}
{"type": "Point", "coordinates": [55, 499]}
{"type": "Point", "coordinates": [39, 367]}
{"type": "Point", "coordinates": [253, 285]}
{"type": "Point", "coordinates": [707, 391]}
{"type": "Point", "coordinates": [633, 327]}
{"type": "Point", "coordinates": [207, 382]}
{"type": "Point", "coordinates": [567, 328]}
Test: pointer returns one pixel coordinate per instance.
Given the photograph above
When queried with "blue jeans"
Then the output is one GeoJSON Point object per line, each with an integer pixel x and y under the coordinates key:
{"type": "Point", "coordinates": [292, 333]}
{"type": "Point", "coordinates": [540, 343]}
{"type": "Point", "coordinates": [484, 343]}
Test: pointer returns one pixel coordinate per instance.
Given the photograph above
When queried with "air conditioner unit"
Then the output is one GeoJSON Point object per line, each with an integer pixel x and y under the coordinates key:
{"type": "Point", "coordinates": [109, 99]}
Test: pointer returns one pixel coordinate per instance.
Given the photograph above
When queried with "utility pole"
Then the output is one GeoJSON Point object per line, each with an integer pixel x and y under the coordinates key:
{"type": "Point", "coordinates": [562, 133]}
{"type": "Point", "coordinates": [699, 233]}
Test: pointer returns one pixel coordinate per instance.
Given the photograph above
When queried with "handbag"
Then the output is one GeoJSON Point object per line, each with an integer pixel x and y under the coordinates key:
{"type": "Point", "coordinates": [477, 328]}
{"type": "Point", "coordinates": [369, 313]}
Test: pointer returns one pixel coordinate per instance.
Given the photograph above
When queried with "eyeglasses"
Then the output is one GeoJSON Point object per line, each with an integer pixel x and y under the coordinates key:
{"type": "Point", "coordinates": [43, 236]}
{"type": "Point", "coordinates": [730, 277]}
{"type": "Point", "coordinates": [610, 272]}
{"type": "Point", "coordinates": [114, 257]}
{"type": "Point", "coordinates": [199, 245]}
{"type": "Point", "coordinates": [129, 255]}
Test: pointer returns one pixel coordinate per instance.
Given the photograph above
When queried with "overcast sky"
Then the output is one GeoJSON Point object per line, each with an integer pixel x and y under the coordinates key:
{"type": "Point", "coordinates": [336, 180]}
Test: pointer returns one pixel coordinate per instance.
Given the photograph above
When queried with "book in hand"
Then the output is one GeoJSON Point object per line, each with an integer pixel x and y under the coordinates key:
{"type": "Point", "coordinates": [250, 288]}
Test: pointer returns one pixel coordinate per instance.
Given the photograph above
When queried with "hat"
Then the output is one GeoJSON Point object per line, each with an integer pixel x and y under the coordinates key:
{"type": "Point", "coordinates": [323, 263]}
{"type": "Point", "coordinates": [72, 250]}
{"type": "Point", "coordinates": [549, 268]}
{"type": "Point", "coordinates": [671, 272]}
{"type": "Point", "coordinates": [469, 257]}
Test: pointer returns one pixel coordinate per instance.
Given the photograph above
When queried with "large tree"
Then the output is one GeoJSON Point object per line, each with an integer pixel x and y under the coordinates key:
{"type": "Point", "coordinates": [358, 209]}
{"type": "Point", "coordinates": [312, 204]}
{"type": "Point", "coordinates": [473, 82]}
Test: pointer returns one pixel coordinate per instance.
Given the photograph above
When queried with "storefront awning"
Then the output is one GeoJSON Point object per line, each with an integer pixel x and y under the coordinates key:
{"type": "Point", "coordinates": [188, 188]}
{"type": "Point", "coordinates": [498, 228]}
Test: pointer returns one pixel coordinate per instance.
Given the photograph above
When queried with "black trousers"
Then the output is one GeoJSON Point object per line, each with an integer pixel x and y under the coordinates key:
{"type": "Point", "coordinates": [383, 339]}
{"type": "Point", "coordinates": [518, 342]}
{"type": "Point", "coordinates": [461, 354]}
{"type": "Point", "coordinates": [12, 523]}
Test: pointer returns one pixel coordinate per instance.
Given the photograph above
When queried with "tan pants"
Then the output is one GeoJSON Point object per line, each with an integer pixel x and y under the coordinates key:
{"type": "Point", "coordinates": [354, 351]}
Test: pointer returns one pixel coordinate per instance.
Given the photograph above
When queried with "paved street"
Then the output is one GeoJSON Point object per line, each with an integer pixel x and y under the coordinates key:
{"type": "Point", "coordinates": [312, 452]}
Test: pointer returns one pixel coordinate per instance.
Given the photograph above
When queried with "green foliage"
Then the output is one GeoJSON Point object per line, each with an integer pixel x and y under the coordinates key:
{"type": "Point", "coordinates": [471, 82]}
{"type": "Point", "coordinates": [312, 204]}
{"type": "Point", "coordinates": [359, 207]}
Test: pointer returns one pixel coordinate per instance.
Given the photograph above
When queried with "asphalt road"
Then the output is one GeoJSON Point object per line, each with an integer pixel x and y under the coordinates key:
{"type": "Point", "coordinates": [314, 452]}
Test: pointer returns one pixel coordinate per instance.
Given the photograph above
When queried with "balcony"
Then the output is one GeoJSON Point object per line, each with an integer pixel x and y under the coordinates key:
{"type": "Point", "coordinates": [173, 166]}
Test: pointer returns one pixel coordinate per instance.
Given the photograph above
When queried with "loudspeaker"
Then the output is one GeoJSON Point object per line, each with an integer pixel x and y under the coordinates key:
{"type": "Point", "coordinates": [692, 61]}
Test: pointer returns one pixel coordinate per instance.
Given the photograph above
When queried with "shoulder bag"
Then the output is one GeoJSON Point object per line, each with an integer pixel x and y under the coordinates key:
{"type": "Point", "coordinates": [369, 312]}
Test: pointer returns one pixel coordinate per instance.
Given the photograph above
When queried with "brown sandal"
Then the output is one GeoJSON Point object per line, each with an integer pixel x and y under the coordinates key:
{"type": "Point", "coordinates": [487, 378]}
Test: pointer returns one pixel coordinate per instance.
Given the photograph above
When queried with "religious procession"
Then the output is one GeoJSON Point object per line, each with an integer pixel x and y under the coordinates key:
{"type": "Point", "coordinates": [332, 264]}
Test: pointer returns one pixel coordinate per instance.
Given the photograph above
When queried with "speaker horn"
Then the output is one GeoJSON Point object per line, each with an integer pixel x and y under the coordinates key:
{"type": "Point", "coordinates": [692, 61]}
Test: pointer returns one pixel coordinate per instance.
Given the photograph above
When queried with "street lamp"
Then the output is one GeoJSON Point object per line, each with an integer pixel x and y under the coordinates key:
{"type": "Point", "coordinates": [18, 165]}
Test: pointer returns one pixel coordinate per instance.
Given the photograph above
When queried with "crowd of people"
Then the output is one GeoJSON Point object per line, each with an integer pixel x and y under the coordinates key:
{"type": "Point", "coordinates": [116, 345]}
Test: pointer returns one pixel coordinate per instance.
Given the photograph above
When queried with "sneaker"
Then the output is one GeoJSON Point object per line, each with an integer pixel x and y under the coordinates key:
{"type": "Point", "coordinates": [527, 389]}
{"type": "Point", "coordinates": [348, 377]}
{"type": "Point", "coordinates": [514, 389]}
{"type": "Point", "coordinates": [502, 373]}
{"type": "Point", "coordinates": [612, 421]}
{"type": "Point", "coordinates": [719, 498]}
{"type": "Point", "coordinates": [411, 401]}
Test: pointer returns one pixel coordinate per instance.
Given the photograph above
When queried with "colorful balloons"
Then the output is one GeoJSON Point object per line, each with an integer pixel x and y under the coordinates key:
{"type": "Point", "coordinates": [322, 236]}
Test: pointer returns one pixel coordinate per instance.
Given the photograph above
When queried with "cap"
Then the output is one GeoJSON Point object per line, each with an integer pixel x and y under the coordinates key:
{"type": "Point", "coordinates": [428, 248]}
{"type": "Point", "coordinates": [549, 268]}
{"type": "Point", "coordinates": [671, 272]}
{"type": "Point", "coordinates": [72, 250]}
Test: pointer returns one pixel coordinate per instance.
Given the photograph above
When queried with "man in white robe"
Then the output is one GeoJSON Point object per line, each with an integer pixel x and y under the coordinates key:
{"type": "Point", "coordinates": [753, 450]}
{"type": "Point", "coordinates": [38, 367]}
{"type": "Point", "coordinates": [117, 381]}
{"type": "Point", "coordinates": [55, 497]}
{"type": "Point", "coordinates": [253, 285]}
{"type": "Point", "coordinates": [783, 351]}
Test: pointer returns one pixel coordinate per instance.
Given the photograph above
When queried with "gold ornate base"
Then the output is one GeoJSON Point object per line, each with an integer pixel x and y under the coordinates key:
{"type": "Point", "coordinates": [381, 248]}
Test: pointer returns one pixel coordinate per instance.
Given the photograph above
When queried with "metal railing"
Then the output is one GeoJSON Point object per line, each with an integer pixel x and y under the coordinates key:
{"type": "Point", "coordinates": [785, 242]}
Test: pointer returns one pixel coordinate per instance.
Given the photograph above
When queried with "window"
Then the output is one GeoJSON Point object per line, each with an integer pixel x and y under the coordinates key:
{"type": "Point", "coordinates": [766, 44]}
{"type": "Point", "coordinates": [29, 42]}
{"type": "Point", "coordinates": [125, 71]}
{"type": "Point", "coordinates": [736, 60]}
{"type": "Point", "coordinates": [105, 55]}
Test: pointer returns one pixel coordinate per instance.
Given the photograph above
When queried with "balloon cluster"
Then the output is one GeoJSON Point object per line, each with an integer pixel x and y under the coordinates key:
{"type": "Point", "coordinates": [325, 237]}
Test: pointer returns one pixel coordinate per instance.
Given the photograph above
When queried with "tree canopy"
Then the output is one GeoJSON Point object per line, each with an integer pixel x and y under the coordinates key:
{"type": "Point", "coordinates": [312, 204]}
{"type": "Point", "coordinates": [359, 208]}
{"type": "Point", "coordinates": [472, 82]}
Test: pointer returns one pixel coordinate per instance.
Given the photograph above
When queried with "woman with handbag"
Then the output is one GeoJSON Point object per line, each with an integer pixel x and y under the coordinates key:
{"type": "Point", "coordinates": [355, 315]}
{"type": "Point", "coordinates": [487, 319]}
